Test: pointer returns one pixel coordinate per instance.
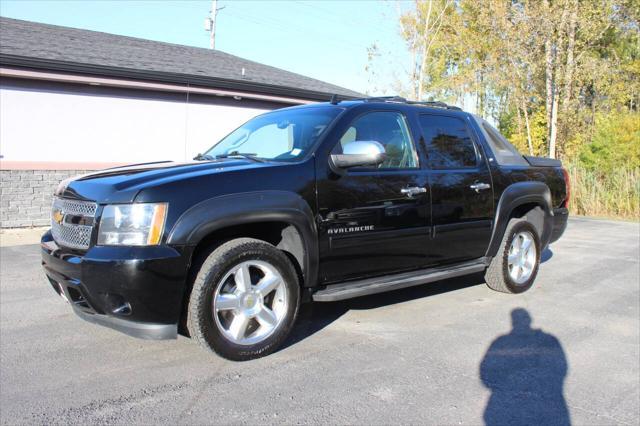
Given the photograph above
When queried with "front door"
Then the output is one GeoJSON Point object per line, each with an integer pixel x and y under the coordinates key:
{"type": "Point", "coordinates": [375, 221]}
{"type": "Point", "coordinates": [461, 190]}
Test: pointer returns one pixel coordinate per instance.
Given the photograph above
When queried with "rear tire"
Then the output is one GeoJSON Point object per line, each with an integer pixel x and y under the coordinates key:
{"type": "Point", "coordinates": [244, 301]}
{"type": "Point", "coordinates": [514, 268]}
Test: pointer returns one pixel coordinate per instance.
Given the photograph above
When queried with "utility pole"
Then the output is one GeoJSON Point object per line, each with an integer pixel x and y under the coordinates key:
{"type": "Point", "coordinates": [210, 23]}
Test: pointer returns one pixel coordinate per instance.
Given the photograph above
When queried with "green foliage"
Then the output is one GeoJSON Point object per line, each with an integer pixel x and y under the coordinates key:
{"type": "Point", "coordinates": [513, 128]}
{"type": "Point", "coordinates": [615, 143]}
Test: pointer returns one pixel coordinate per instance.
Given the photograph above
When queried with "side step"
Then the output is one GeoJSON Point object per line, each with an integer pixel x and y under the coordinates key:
{"type": "Point", "coordinates": [368, 286]}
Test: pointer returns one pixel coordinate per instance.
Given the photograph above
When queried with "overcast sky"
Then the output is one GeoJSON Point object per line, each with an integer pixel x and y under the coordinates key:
{"type": "Point", "coordinates": [326, 40]}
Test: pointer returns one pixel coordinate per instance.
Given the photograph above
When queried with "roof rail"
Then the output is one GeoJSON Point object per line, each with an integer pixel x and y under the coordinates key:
{"type": "Point", "coordinates": [397, 99]}
{"type": "Point", "coordinates": [436, 104]}
{"type": "Point", "coordinates": [400, 99]}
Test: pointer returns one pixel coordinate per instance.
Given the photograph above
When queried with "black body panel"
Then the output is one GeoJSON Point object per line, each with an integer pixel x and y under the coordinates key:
{"type": "Point", "coordinates": [560, 220]}
{"type": "Point", "coordinates": [391, 230]}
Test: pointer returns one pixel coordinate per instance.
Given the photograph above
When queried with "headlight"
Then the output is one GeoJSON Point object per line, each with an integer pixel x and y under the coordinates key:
{"type": "Point", "coordinates": [132, 224]}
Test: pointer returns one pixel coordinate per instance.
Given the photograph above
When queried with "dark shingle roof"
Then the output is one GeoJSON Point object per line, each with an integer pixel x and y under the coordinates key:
{"type": "Point", "coordinates": [43, 46]}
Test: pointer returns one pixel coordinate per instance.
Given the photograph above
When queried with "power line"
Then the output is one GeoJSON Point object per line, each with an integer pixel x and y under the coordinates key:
{"type": "Point", "coordinates": [289, 29]}
{"type": "Point", "coordinates": [330, 16]}
{"type": "Point", "coordinates": [286, 27]}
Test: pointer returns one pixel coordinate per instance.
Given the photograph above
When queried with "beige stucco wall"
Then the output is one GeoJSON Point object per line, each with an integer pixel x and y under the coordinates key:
{"type": "Point", "coordinates": [53, 122]}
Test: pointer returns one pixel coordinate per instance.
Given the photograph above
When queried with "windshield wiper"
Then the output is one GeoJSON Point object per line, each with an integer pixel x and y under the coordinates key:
{"type": "Point", "coordinates": [243, 155]}
{"type": "Point", "coordinates": [204, 157]}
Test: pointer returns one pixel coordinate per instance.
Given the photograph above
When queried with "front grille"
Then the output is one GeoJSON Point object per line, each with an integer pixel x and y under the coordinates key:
{"type": "Point", "coordinates": [76, 207]}
{"type": "Point", "coordinates": [72, 222]}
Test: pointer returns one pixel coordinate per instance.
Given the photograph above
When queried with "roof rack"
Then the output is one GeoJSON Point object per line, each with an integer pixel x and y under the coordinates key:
{"type": "Point", "coordinates": [400, 99]}
{"type": "Point", "coordinates": [396, 99]}
{"type": "Point", "coordinates": [436, 104]}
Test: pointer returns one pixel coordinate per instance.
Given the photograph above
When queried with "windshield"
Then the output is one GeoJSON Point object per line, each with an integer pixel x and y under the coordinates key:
{"type": "Point", "coordinates": [280, 135]}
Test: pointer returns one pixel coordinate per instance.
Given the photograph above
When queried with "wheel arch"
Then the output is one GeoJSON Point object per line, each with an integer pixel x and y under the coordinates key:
{"type": "Point", "coordinates": [531, 200]}
{"type": "Point", "coordinates": [281, 218]}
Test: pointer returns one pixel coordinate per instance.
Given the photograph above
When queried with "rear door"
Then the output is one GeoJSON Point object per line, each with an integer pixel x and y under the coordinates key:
{"type": "Point", "coordinates": [461, 189]}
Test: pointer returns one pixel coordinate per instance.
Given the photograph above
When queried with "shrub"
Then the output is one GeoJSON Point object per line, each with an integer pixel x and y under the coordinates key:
{"type": "Point", "coordinates": [615, 143]}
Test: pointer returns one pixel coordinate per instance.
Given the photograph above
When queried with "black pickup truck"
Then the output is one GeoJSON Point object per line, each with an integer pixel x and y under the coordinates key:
{"type": "Point", "coordinates": [319, 202]}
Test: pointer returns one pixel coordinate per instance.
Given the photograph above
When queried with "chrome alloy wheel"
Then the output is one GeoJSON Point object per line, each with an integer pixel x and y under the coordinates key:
{"type": "Point", "coordinates": [522, 257]}
{"type": "Point", "coordinates": [250, 302]}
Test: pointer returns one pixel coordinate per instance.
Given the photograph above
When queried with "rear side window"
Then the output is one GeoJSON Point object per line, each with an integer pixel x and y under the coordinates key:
{"type": "Point", "coordinates": [448, 142]}
{"type": "Point", "coordinates": [505, 153]}
{"type": "Point", "coordinates": [495, 138]}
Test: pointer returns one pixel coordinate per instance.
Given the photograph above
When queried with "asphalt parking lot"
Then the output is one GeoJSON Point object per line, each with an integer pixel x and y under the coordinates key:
{"type": "Point", "coordinates": [443, 353]}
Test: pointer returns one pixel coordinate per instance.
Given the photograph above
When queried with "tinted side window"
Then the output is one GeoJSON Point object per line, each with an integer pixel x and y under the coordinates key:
{"type": "Point", "coordinates": [391, 130]}
{"type": "Point", "coordinates": [449, 144]}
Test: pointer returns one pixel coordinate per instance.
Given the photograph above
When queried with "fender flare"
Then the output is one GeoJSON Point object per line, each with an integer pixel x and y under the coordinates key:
{"type": "Point", "coordinates": [221, 212]}
{"type": "Point", "coordinates": [515, 195]}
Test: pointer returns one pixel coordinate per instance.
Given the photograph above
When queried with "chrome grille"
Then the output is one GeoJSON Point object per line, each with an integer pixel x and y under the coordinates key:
{"type": "Point", "coordinates": [63, 215]}
{"type": "Point", "coordinates": [76, 207]}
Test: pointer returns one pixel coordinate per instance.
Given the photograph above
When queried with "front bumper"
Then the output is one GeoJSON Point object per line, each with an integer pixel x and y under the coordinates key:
{"type": "Point", "coordinates": [141, 330]}
{"type": "Point", "coordinates": [135, 290]}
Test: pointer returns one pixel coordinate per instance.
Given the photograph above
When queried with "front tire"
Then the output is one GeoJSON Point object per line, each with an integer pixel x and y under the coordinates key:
{"type": "Point", "coordinates": [244, 301]}
{"type": "Point", "coordinates": [515, 267]}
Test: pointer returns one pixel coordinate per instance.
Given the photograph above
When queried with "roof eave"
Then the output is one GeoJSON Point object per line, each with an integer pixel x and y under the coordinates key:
{"type": "Point", "coordinates": [213, 82]}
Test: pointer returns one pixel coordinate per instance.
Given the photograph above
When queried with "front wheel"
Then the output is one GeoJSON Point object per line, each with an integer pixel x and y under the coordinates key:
{"type": "Point", "coordinates": [515, 267]}
{"type": "Point", "coordinates": [245, 300]}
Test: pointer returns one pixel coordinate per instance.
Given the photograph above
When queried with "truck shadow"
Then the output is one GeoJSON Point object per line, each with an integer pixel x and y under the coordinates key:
{"type": "Point", "coordinates": [314, 317]}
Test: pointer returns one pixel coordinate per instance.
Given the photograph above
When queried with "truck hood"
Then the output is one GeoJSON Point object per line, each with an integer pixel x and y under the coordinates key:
{"type": "Point", "coordinates": [122, 184]}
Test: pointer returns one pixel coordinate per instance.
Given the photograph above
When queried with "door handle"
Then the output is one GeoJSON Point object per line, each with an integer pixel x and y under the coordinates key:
{"type": "Point", "coordinates": [413, 191]}
{"type": "Point", "coordinates": [480, 186]}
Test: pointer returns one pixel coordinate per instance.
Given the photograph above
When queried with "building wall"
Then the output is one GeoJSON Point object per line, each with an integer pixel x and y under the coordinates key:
{"type": "Point", "coordinates": [26, 196]}
{"type": "Point", "coordinates": [59, 122]}
{"type": "Point", "coordinates": [50, 131]}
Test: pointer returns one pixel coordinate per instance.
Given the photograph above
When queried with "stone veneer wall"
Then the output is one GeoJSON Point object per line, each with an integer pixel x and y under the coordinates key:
{"type": "Point", "coordinates": [26, 196]}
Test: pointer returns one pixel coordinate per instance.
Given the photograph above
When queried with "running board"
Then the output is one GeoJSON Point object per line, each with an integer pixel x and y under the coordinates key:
{"type": "Point", "coordinates": [375, 285]}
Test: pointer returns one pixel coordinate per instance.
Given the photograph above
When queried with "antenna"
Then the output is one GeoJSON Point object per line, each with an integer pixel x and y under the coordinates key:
{"type": "Point", "coordinates": [334, 99]}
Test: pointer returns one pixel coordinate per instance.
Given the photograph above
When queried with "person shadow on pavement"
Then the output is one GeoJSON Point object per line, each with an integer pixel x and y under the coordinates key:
{"type": "Point", "coordinates": [525, 371]}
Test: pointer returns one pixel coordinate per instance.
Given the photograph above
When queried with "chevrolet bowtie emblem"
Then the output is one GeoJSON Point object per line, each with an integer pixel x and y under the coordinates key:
{"type": "Point", "coordinates": [57, 217]}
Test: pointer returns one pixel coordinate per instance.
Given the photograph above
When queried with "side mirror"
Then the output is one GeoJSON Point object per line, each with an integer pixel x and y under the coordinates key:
{"type": "Point", "coordinates": [359, 154]}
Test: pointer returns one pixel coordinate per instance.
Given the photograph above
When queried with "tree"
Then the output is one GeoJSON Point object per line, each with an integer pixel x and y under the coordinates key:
{"type": "Point", "coordinates": [421, 28]}
{"type": "Point", "coordinates": [559, 64]}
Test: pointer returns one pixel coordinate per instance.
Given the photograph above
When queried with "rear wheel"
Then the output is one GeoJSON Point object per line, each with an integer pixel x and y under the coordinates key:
{"type": "Point", "coordinates": [515, 267]}
{"type": "Point", "coordinates": [244, 300]}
